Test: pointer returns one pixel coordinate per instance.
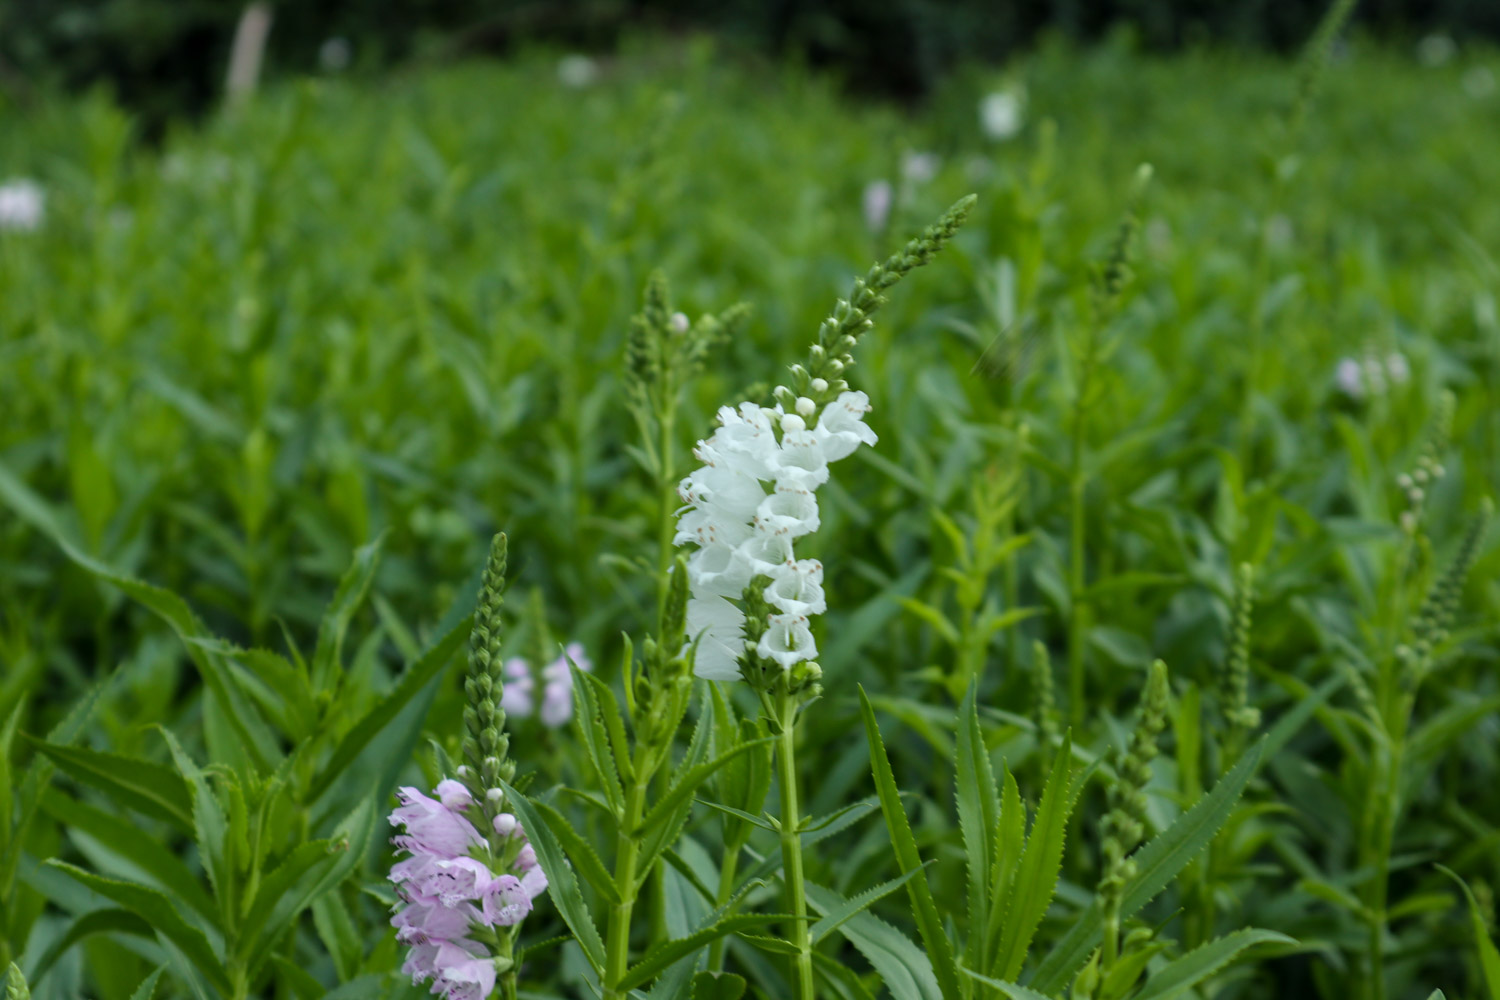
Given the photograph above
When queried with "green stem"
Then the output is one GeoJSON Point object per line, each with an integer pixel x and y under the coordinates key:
{"type": "Point", "coordinates": [627, 852]}
{"type": "Point", "coordinates": [666, 518]}
{"type": "Point", "coordinates": [727, 870]}
{"type": "Point", "coordinates": [508, 978]}
{"type": "Point", "coordinates": [1077, 484]}
{"type": "Point", "coordinates": [1078, 613]}
{"type": "Point", "coordinates": [791, 851]}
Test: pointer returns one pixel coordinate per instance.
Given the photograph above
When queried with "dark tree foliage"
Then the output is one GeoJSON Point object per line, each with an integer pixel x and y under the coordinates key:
{"type": "Point", "coordinates": [166, 57]}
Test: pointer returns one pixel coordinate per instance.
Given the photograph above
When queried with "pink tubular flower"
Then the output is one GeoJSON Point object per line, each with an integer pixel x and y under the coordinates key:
{"type": "Point", "coordinates": [505, 901]}
{"type": "Point", "coordinates": [469, 980]}
{"type": "Point", "coordinates": [431, 827]}
{"type": "Point", "coordinates": [424, 923]}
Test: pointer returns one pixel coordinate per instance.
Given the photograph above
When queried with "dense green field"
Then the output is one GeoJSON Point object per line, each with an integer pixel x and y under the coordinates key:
{"type": "Point", "coordinates": [375, 322]}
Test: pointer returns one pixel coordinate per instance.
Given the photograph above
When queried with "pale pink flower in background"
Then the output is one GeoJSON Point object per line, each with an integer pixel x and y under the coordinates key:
{"type": "Point", "coordinates": [876, 202]}
{"type": "Point", "coordinates": [515, 698]}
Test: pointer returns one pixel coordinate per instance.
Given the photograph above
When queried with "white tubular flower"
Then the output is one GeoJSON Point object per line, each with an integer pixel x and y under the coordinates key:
{"type": "Point", "coordinates": [788, 641]}
{"type": "Point", "coordinates": [802, 461]}
{"type": "Point", "coordinates": [753, 496]}
{"type": "Point", "coordinates": [722, 627]}
{"type": "Point", "coordinates": [765, 554]}
{"type": "Point", "coordinates": [798, 589]}
{"type": "Point", "coordinates": [718, 570]}
{"type": "Point", "coordinates": [842, 427]}
{"type": "Point", "coordinates": [790, 511]}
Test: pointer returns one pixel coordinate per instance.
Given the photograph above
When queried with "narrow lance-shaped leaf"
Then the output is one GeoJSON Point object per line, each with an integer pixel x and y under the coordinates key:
{"type": "Point", "coordinates": [978, 802]}
{"type": "Point", "coordinates": [353, 586]}
{"type": "Point", "coordinates": [1489, 955]}
{"type": "Point", "coordinates": [903, 967]}
{"type": "Point", "coordinates": [1041, 862]}
{"type": "Point", "coordinates": [562, 887]}
{"type": "Point", "coordinates": [1157, 864]}
{"type": "Point", "coordinates": [158, 911]}
{"type": "Point", "coordinates": [929, 923]}
{"type": "Point", "coordinates": [1181, 975]}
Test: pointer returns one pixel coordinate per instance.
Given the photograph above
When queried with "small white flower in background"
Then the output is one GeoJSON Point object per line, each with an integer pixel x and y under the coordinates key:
{"type": "Point", "coordinates": [335, 54]}
{"type": "Point", "coordinates": [919, 168]}
{"type": "Point", "coordinates": [515, 699]}
{"type": "Point", "coordinates": [1436, 50]}
{"type": "Point", "coordinates": [877, 204]}
{"type": "Point", "coordinates": [1000, 114]}
{"type": "Point", "coordinates": [1479, 82]}
{"type": "Point", "coordinates": [22, 205]}
{"type": "Point", "coordinates": [680, 322]}
{"type": "Point", "coordinates": [577, 71]}
{"type": "Point", "coordinates": [742, 530]}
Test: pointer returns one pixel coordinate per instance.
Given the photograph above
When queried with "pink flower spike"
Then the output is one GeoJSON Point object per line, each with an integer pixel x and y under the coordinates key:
{"type": "Point", "coordinates": [505, 901]}
{"type": "Point", "coordinates": [526, 860]}
{"type": "Point", "coordinates": [453, 794]}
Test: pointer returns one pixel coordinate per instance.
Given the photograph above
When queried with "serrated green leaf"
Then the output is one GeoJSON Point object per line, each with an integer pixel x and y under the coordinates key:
{"type": "Point", "coordinates": [585, 859]}
{"type": "Point", "coordinates": [857, 904]}
{"type": "Point", "coordinates": [110, 920]}
{"type": "Point", "coordinates": [562, 886]}
{"type": "Point", "coordinates": [415, 678]}
{"type": "Point", "coordinates": [157, 910]}
{"type": "Point", "coordinates": [1013, 990]}
{"type": "Point", "coordinates": [658, 959]}
{"type": "Point", "coordinates": [147, 989]}
{"type": "Point", "coordinates": [978, 801]}
{"type": "Point", "coordinates": [306, 873]}
{"type": "Point", "coordinates": [134, 845]}
{"type": "Point", "coordinates": [353, 585]}
{"type": "Point", "coordinates": [1157, 863]}
{"type": "Point", "coordinates": [1182, 974]}
{"type": "Point", "coordinates": [338, 933]}
{"type": "Point", "coordinates": [929, 923]}
{"type": "Point", "coordinates": [1040, 864]}
{"type": "Point", "coordinates": [149, 788]}
{"type": "Point", "coordinates": [211, 831]}
{"type": "Point", "coordinates": [902, 966]}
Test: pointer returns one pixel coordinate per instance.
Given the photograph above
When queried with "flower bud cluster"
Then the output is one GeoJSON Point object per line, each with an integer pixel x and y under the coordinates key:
{"type": "Point", "coordinates": [519, 698]}
{"type": "Point", "coordinates": [743, 531]}
{"type": "Point", "coordinates": [1125, 823]}
{"type": "Point", "coordinates": [450, 892]}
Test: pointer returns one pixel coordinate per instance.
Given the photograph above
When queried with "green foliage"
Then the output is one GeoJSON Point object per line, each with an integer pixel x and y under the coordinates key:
{"type": "Point", "coordinates": [397, 313]}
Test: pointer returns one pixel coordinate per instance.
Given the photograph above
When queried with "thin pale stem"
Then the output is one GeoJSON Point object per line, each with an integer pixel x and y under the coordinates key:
{"type": "Point", "coordinates": [791, 853]}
